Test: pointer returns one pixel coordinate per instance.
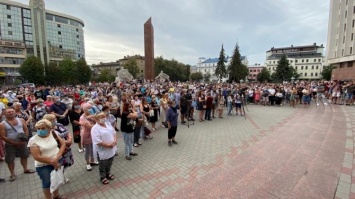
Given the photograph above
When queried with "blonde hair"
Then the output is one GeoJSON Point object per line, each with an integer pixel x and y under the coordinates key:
{"type": "Point", "coordinates": [44, 122]}
{"type": "Point", "coordinates": [17, 104]}
{"type": "Point", "coordinates": [49, 117]}
{"type": "Point", "coordinates": [100, 115]}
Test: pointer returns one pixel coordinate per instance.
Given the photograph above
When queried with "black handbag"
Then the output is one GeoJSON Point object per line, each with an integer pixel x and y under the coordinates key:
{"type": "Point", "coordinates": [20, 135]}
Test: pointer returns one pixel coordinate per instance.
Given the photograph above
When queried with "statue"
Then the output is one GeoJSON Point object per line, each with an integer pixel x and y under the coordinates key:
{"type": "Point", "coordinates": [123, 76]}
{"type": "Point", "coordinates": [162, 77]}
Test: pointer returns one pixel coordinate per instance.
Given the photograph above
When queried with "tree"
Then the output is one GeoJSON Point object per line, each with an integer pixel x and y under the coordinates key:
{"type": "Point", "coordinates": [237, 70]}
{"type": "Point", "coordinates": [32, 70]}
{"type": "Point", "coordinates": [67, 68]}
{"type": "Point", "coordinates": [83, 71]}
{"type": "Point", "coordinates": [53, 74]}
{"type": "Point", "coordinates": [264, 75]}
{"type": "Point", "coordinates": [177, 71]}
{"type": "Point", "coordinates": [327, 72]}
{"type": "Point", "coordinates": [132, 67]}
{"type": "Point", "coordinates": [106, 76]}
{"type": "Point", "coordinates": [221, 70]}
{"type": "Point", "coordinates": [207, 77]}
{"type": "Point", "coordinates": [284, 71]}
{"type": "Point", "coordinates": [197, 76]}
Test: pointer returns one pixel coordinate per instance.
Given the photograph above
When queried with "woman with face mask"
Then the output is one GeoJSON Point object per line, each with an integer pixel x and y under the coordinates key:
{"type": "Point", "coordinates": [87, 121]}
{"type": "Point", "coordinates": [74, 115]}
{"type": "Point", "coordinates": [45, 152]}
{"type": "Point", "coordinates": [104, 141]}
{"type": "Point", "coordinates": [67, 158]}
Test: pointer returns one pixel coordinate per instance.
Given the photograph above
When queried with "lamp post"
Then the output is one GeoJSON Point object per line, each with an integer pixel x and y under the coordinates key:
{"type": "Point", "coordinates": [292, 79]}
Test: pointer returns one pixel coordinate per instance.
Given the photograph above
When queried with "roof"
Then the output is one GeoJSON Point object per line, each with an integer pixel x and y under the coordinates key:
{"type": "Point", "coordinates": [291, 47]}
{"type": "Point", "coordinates": [215, 60]}
{"type": "Point", "coordinates": [255, 66]}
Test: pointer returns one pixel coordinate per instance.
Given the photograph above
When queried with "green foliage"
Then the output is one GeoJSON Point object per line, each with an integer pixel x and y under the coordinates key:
{"type": "Point", "coordinates": [132, 67]}
{"type": "Point", "coordinates": [32, 70]}
{"type": "Point", "coordinates": [236, 69]}
{"type": "Point", "coordinates": [207, 77]}
{"type": "Point", "coordinates": [327, 72]}
{"type": "Point", "coordinates": [221, 70]}
{"type": "Point", "coordinates": [264, 75]}
{"type": "Point", "coordinates": [106, 76]}
{"type": "Point", "coordinates": [177, 71]}
{"type": "Point", "coordinates": [82, 71]}
{"type": "Point", "coordinates": [284, 71]}
{"type": "Point", "coordinates": [68, 72]}
{"type": "Point", "coordinates": [53, 74]}
{"type": "Point", "coordinates": [196, 76]}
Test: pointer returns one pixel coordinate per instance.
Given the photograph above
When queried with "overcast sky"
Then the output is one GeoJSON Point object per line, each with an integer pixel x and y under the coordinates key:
{"type": "Point", "coordinates": [188, 29]}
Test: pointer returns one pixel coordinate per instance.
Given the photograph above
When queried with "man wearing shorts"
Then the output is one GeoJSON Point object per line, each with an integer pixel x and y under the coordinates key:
{"type": "Point", "coordinates": [9, 130]}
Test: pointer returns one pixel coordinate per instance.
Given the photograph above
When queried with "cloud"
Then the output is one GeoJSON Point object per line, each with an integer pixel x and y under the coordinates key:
{"type": "Point", "coordinates": [186, 30]}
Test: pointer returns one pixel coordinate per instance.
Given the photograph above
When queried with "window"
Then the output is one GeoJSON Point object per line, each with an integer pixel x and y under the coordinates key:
{"type": "Point", "coordinates": [77, 30]}
{"type": "Point", "coordinates": [312, 67]}
{"type": "Point", "coordinates": [301, 67]}
{"type": "Point", "coordinates": [305, 74]}
{"type": "Point", "coordinates": [9, 24]}
{"type": "Point", "coordinates": [318, 60]}
{"type": "Point", "coordinates": [343, 39]}
{"type": "Point", "coordinates": [344, 27]}
{"type": "Point", "coordinates": [77, 36]}
{"type": "Point", "coordinates": [60, 46]}
{"type": "Point", "coordinates": [302, 60]}
{"type": "Point", "coordinates": [353, 23]}
{"type": "Point", "coordinates": [315, 60]}
{"type": "Point", "coordinates": [291, 61]}
{"type": "Point", "coordinates": [350, 64]}
{"type": "Point", "coordinates": [311, 74]}
{"type": "Point", "coordinates": [269, 62]}
{"type": "Point", "coordinates": [342, 52]}
{"type": "Point", "coordinates": [354, 9]}
{"type": "Point", "coordinates": [317, 67]}
{"type": "Point", "coordinates": [10, 32]}
{"type": "Point", "coordinates": [306, 60]}
{"type": "Point", "coordinates": [316, 74]}
{"type": "Point", "coordinates": [352, 36]}
{"type": "Point", "coordinates": [351, 50]}
{"type": "Point", "coordinates": [59, 32]}
{"type": "Point", "coordinates": [306, 67]}
{"type": "Point", "coordinates": [9, 16]}
{"type": "Point", "coordinates": [8, 7]}
{"type": "Point", "coordinates": [346, 13]}
{"type": "Point", "coordinates": [296, 67]}
{"type": "Point", "coordinates": [296, 61]}
{"type": "Point", "coordinates": [58, 25]}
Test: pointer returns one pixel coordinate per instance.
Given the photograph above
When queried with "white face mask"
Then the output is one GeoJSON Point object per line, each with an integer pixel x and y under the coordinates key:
{"type": "Point", "coordinates": [102, 120]}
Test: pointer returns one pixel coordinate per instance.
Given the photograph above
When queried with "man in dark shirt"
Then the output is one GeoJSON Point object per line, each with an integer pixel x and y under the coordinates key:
{"type": "Point", "coordinates": [183, 107]}
{"type": "Point", "coordinates": [60, 110]}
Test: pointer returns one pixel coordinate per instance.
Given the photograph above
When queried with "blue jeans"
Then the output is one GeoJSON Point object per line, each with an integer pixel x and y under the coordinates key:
{"type": "Point", "coordinates": [229, 107]}
{"type": "Point", "coordinates": [45, 175]}
{"type": "Point", "coordinates": [128, 143]}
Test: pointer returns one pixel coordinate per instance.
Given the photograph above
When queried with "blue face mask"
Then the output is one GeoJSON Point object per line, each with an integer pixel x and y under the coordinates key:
{"type": "Point", "coordinates": [42, 132]}
{"type": "Point", "coordinates": [91, 111]}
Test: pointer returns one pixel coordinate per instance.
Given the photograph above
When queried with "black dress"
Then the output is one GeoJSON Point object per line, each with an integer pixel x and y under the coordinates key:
{"type": "Point", "coordinates": [154, 118]}
{"type": "Point", "coordinates": [76, 128]}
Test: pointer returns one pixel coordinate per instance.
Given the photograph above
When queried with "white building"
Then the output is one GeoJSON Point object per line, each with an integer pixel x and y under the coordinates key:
{"type": "Point", "coordinates": [208, 66]}
{"type": "Point", "coordinates": [340, 45]}
{"type": "Point", "coordinates": [307, 60]}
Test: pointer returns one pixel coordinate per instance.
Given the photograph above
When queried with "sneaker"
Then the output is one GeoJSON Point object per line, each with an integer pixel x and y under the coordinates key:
{"type": "Point", "coordinates": [170, 144]}
{"type": "Point", "coordinates": [66, 181]}
{"type": "Point", "coordinates": [94, 163]}
{"type": "Point", "coordinates": [174, 142]}
{"type": "Point", "coordinates": [81, 150]}
{"type": "Point", "coordinates": [135, 145]}
{"type": "Point", "coordinates": [183, 122]}
{"type": "Point", "coordinates": [88, 167]}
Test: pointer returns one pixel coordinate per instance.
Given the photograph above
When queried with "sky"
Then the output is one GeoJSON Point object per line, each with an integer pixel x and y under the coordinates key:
{"type": "Point", "coordinates": [185, 30]}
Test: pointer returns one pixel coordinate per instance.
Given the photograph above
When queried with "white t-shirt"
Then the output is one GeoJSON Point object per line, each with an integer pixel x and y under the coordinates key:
{"type": "Point", "coordinates": [107, 135]}
{"type": "Point", "coordinates": [48, 147]}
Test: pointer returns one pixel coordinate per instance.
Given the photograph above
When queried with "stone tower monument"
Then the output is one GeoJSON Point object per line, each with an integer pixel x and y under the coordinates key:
{"type": "Point", "coordinates": [149, 50]}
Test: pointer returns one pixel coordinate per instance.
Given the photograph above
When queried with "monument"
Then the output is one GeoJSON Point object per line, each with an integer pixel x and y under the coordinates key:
{"type": "Point", "coordinates": [149, 50]}
{"type": "Point", "coordinates": [162, 77]}
{"type": "Point", "coordinates": [123, 76]}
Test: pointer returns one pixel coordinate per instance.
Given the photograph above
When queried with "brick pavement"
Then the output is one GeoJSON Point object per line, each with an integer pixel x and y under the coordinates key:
{"type": "Point", "coordinates": [263, 147]}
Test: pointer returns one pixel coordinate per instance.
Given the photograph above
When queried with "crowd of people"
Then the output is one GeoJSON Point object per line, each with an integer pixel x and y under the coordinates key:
{"type": "Point", "coordinates": [36, 121]}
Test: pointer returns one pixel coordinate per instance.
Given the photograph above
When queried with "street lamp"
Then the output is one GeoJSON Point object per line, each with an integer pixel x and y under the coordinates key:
{"type": "Point", "coordinates": [292, 79]}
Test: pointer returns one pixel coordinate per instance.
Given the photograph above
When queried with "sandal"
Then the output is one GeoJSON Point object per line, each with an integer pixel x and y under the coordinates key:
{"type": "Point", "coordinates": [105, 181]}
{"type": "Point", "coordinates": [29, 171]}
{"type": "Point", "coordinates": [110, 177]}
{"type": "Point", "coordinates": [128, 158]}
{"type": "Point", "coordinates": [12, 178]}
{"type": "Point", "coordinates": [133, 154]}
{"type": "Point", "coordinates": [60, 197]}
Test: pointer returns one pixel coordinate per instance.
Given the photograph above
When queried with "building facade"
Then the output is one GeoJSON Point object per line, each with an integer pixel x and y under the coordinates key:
{"type": "Point", "coordinates": [340, 44]}
{"type": "Point", "coordinates": [31, 30]}
{"type": "Point", "coordinates": [307, 60]}
{"type": "Point", "coordinates": [254, 70]}
{"type": "Point", "coordinates": [140, 61]}
{"type": "Point", "coordinates": [208, 66]}
{"type": "Point", "coordinates": [113, 67]}
{"type": "Point", "coordinates": [149, 50]}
